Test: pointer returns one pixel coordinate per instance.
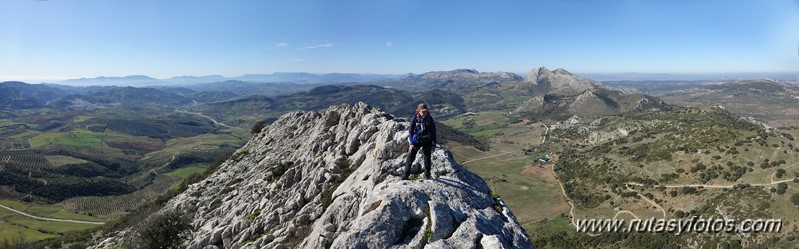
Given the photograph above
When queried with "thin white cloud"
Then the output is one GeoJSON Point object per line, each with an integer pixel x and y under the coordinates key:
{"type": "Point", "coordinates": [324, 45]}
{"type": "Point", "coordinates": [389, 44]}
{"type": "Point", "coordinates": [282, 45]}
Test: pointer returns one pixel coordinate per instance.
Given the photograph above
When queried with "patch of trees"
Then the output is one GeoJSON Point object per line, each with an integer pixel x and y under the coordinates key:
{"type": "Point", "coordinates": [735, 173]}
{"type": "Point", "coordinates": [137, 218]}
{"type": "Point", "coordinates": [627, 194]}
{"type": "Point", "coordinates": [688, 190]}
{"type": "Point", "coordinates": [89, 169]}
{"type": "Point", "coordinates": [768, 164]}
{"type": "Point", "coordinates": [668, 177]}
{"type": "Point", "coordinates": [781, 187]}
{"type": "Point", "coordinates": [607, 240]}
{"type": "Point", "coordinates": [697, 167]}
{"type": "Point", "coordinates": [167, 230]}
{"type": "Point", "coordinates": [257, 127]}
{"type": "Point", "coordinates": [732, 244]}
{"type": "Point", "coordinates": [779, 173]}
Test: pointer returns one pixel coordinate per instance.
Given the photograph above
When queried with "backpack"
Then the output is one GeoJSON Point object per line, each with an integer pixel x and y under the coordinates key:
{"type": "Point", "coordinates": [421, 132]}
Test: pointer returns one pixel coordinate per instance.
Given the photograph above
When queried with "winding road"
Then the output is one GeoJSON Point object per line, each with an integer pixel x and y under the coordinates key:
{"type": "Point", "coordinates": [653, 203]}
{"type": "Point", "coordinates": [51, 219]}
{"type": "Point", "coordinates": [546, 133]}
{"type": "Point", "coordinates": [716, 186]}
{"type": "Point", "coordinates": [571, 211]}
{"type": "Point", "coordinates": [206, 116]}
{"type": "Point", "coordinates": [477, 159]}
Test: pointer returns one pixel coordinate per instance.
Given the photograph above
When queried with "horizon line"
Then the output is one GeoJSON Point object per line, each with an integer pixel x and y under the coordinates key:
{"type": "Point", "coordinates": [56, 79]}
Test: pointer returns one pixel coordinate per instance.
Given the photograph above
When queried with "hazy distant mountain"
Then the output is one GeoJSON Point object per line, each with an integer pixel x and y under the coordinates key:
{"type": "Point", "coordinates": [460, 80]}
{"type": "Point", "coordinates": [83, 89]}
{"type": "Point", "coordinates": [133, 80]}
{"type": "Point", "coordinates": [393, 101]}
{"type": "Point", "coordinates": [298, 78]}
{"type": "Point", "coordinates": [250, 88]}
{"type": "Point", "coordinates": [763, 99]}
{"type": "Point", "coordinates": [212, 96]}
{"type": "Point", "coordinates": [689, 77]}
{"type": "Point", "coordinates": [42, 93]}
{"type": "Point", "coordinates": [12, 99]}
{"type": "Point", "coordinates": [175, 89]}
{"type": "Point", "coordinates": [311, 78]}
{"type": "Point", "coordinates": [186, 80]}
{"type": "Point", "coordinates": [127, 96]}
{"type": "Point", "coordinates": [763, 86]}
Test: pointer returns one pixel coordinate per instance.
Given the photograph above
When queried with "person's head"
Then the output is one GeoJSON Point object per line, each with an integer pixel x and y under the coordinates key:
{"type": "Point", "coordinates": [424, 112]}
{"type": "Point", "coordinates": [422, 107]}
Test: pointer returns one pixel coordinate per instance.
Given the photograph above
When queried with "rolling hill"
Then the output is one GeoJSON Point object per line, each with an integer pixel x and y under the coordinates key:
{"type": "Point", "coordinates": [127, 96]}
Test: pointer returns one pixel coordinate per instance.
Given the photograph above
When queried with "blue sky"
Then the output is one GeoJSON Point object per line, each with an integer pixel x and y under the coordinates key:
{"type": "Point", "coordinates": [57, 39]}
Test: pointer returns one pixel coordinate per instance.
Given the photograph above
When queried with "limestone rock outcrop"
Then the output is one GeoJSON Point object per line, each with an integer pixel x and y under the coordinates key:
{"type": "Point", "coordinates": [331, 179]}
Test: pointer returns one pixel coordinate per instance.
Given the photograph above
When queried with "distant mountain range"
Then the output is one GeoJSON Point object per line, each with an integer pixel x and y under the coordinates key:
{"type": "Point", "coordinates": [393, 101]}
{"type": "Point", "coordinates": [556, 94]}
{"type": "Point", "coordinates": [298, 78]}
{"type": "Point", "coordinates": [791, 76]}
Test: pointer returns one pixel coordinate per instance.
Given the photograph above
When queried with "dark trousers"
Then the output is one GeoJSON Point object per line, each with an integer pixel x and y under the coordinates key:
{"type": "Point", "coordinates": [427, 150]}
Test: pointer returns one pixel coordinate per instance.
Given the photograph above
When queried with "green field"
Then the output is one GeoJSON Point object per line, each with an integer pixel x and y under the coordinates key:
{"type": "Point", "coordinates": [487, 125]}
{"type": "Point", "coordinates": [82, 118]}
{"type": "Point", "coordinates": [187, 171]}
{"type": "Point", "coordinates": [76, 138]}
{"type": "Point", "coordinates": [58, 161]}
{"type": "Point", "coordinates": [14, 226]}
{"type": "Point", "coordinates": [201, 143]}
{"type": "Point", "coordinates": [49, 211]}
{"type": "Point", "coordinates": [14, 204]}
{"type": "Point", "coordinates": [11, 232]}
{"type": "Point", "coordinates": [531, 192]}
{"type": "Point", "coordinates": [550, 226]}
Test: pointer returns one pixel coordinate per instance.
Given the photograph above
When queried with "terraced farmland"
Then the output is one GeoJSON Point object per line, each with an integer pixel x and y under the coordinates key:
{"type": "Point", "coordinates": [112, 205]}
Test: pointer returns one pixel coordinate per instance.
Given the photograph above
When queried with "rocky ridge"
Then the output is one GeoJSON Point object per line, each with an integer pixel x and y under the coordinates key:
{"type": "Point", "coordinates": [331, 179]}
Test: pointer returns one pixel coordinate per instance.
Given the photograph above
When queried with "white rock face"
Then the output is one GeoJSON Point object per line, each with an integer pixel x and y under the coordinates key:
{"type": "Point", "coordinates": [332, 179]}
{"type": "Point", "coordinates": [559, 81]}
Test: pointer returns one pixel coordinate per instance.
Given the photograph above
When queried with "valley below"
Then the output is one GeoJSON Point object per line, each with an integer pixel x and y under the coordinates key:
{"type": "Point", "coordinates": [82, 162]}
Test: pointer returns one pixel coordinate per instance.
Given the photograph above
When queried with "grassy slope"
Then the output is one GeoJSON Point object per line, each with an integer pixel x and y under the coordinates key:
{"type": "Point", "coordinates": [58, 161]}
{"type": "Point", "coordinates": [187, 171]}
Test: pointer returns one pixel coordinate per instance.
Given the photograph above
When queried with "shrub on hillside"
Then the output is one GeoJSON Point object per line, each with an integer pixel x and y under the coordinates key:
{"type": "Point", "coordinates": [165, 230]}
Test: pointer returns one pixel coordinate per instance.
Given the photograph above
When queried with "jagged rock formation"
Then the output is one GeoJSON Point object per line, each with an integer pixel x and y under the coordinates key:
{"type": "Point", "coordinates": [560, 81]}
{"type": "Point", "coordinates": [331, 179]}
{"type": "Point", "coordinates": [559, 94]}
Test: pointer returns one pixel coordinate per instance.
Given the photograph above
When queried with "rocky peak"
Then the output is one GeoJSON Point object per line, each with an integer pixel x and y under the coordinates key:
{"type": "Point", "coordinates": [560, 81]}
{"type": "Point", "coordinates": [332, 179]}
{"type": "Point", "coordinates": [537, 73]}
{"type": "Point", "coordinates": [562, 71]}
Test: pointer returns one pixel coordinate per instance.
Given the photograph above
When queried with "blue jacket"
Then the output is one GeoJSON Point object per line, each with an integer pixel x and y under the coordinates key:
{"type": "Point", "coordinates": [418, 125]}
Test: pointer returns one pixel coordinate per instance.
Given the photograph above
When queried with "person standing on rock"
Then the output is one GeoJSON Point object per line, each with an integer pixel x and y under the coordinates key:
{"type": "Point", "coordinates": [421, 135]}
